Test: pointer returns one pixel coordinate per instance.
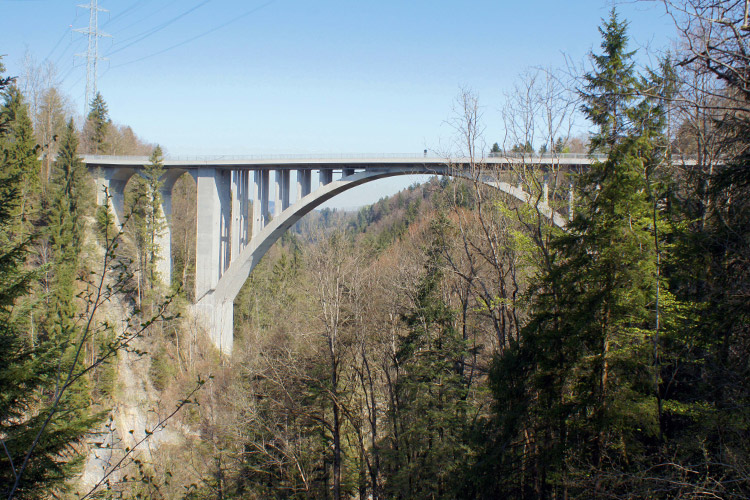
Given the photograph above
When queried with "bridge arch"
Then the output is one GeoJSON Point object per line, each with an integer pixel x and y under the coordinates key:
{"type": "Point", "coordinates": [215, 307]}
{"type": "Point", "coordinates": [228, 245]}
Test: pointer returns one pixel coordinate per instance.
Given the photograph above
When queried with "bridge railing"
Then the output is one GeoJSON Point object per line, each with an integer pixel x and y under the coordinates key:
{"type": "Point", "coordinates": [349, 156]}
{"type": "Point", "coordinates": [208, 158]}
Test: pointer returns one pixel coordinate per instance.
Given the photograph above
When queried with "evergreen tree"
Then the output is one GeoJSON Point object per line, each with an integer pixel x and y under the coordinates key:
{"type": "Point", "coordinates": [28, 371]}
{"type": "Point", "coordinates": [522, 148]}
{"type": "Point", "coordinates": [147, 222]}
{"type": "Point", "coordinates": [49, 126]}
{"type": "Point", "coordinates": [431, 414]}
{"type": "Point", "coordinates": [588, 403]}
{"type": "Point", "coordinates": [610, 88]}
{"type": "Point", "coordinates": [19, 144]}
{"type": "Point", "coordinates": [97, 126]}
{"type": "Point", "coordinates": [155, 225]}
{"type": "Point", "coordinates": [66, 224]}
{"type": "Point", "coordinates": [704, 362]}
{"type": "Point", "coordinates": [559, 146]}
{"type": "Point", "coordinates": [71, 415]}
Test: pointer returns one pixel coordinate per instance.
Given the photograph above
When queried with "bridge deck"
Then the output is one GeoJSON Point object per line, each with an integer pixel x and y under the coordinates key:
{"type": "Point", "coordinates": [293, 162]}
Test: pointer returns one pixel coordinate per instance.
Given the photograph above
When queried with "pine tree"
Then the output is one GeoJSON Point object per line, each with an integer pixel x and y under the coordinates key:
{"type": "Point", "coordinates": [19, 144]}
{"type": "Point", "coordinates": [147, 222]}
{"type": "Point", "coordinates": [71, 416]}
{"type": "Point", "coordinates": [25, 369]}
{"type": "Point", "coordinates": [607, 275]}
{"type": "Point", "coordinates": [66, 224]}
{"type": "Point", "coordinates": [583, 371]}
{"type": "Point", "coordinates": [155, 225]}
{"type": "Point", "coordinates": [49, 126]}
{"type": "Point", "coordinates": [610, 88]}
{"type": "Point", "coordinates": [97, 126]}
{"type": "Point", "coordinates": [559, 146]}
{"type": "Point", "coordinates": [28, 371]}
{"type": "Point", "coordinates": [431, 418]}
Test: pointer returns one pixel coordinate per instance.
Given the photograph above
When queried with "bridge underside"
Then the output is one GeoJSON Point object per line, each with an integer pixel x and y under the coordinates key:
{"type": "Point", "coordinates": [237, 222]}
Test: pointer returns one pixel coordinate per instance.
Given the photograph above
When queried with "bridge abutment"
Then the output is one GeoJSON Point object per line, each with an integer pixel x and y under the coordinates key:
{"type": "Point", "coordinates": [217, 318]}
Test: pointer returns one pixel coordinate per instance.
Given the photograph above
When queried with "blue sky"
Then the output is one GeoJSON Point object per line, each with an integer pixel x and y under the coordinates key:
{"type": "Point", "coordinates": [326, 76]}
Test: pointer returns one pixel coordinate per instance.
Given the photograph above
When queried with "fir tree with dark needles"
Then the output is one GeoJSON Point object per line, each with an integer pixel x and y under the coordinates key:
{"type": "Point", "coordinates": [97, 125]}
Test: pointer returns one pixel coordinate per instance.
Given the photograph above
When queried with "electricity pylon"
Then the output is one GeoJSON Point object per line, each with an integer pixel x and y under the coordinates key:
{"type": "Point", "coordinates": [92, 54]}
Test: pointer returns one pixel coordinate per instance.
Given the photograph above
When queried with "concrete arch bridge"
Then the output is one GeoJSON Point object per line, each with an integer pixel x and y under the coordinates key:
{"type": "Point", "coordinates": [231, 237]}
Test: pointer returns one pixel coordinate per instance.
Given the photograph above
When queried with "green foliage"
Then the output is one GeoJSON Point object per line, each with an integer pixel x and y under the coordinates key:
{"type": "Point", "coordinates": [143, 200]}
{"type": "Point", "coordinates": [611, 88]}
{"type": "Point", "coordinates": [70, 204]}
{"type": "Point", "coordinates": [269, 291]}
{"type": "Point", "coordinates": [583, 370]}
{"type": "Point", "coordinates": [162, 370]}
{"type": "Point", "coordinates": [155, 224]}
{"type": "Point", "coordinates": [31, 367]}
{"type": "Point", "coordinates": [428, 446]}
{"type": "Point", "coordinates": [522, 148]}
{"type": "Point", "coordinates": [20, 157]}
{"type": "Point", "coordinates": [97, 124]}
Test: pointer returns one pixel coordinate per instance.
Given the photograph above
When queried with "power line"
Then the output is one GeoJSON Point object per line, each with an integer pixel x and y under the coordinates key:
{"type": "Point", "coordinates": [57, 44]}
{"type": "Point", "coordinates": [124, 12]}
{"type": "Point", "coordinates": [144, 18]}
{"type": "Point", "coordinates": [223, 25]}
{"type": "Point", "coordinates": [72, 43]}
{"type": "Point", "coordinates": [156, 29]}
{"type": "Point", "coordinates": [62, 37]}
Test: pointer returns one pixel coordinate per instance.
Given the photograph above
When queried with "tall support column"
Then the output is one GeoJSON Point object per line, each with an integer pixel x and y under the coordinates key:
{"type": "Point", "coordinates": [236, 229]}
{"type": "Point", "coordinates": [347, 172]}
{"type": "Point", "coordinates": [257, 213]}
{"type": "Point", "coordinates": [246, 210]}
{"type": "Point", "coordinates": [212, 231]}
{"type": "Point", "coordinates": [117, 200]}
{"type": "Point", "coordinates": [242, 195]}
{"type": "Point", "coordinates": [225, 182]}
{"type": "Point", "coordinates": [277, 194]}
{"type": "Point", "coordinates": [326, 176]}
{"type": "Point", "coordinates": [164, 237]}
{"type": "Point", "coordinates": [304, 183]}
{"type": "Point", "coordinates": [307, 185]}
{"type": "Point", "coordinates": [265, 190]}
{"type": "Point", "coordinates": [285, 188]}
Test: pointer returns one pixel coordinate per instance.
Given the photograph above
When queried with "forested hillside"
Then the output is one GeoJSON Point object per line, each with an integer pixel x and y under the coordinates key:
{"type": "Point", "coordinates": [447, 342]}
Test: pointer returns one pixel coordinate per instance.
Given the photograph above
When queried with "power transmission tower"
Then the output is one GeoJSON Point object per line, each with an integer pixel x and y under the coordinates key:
{"type": "Point", "coordinates": [92, 54]}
